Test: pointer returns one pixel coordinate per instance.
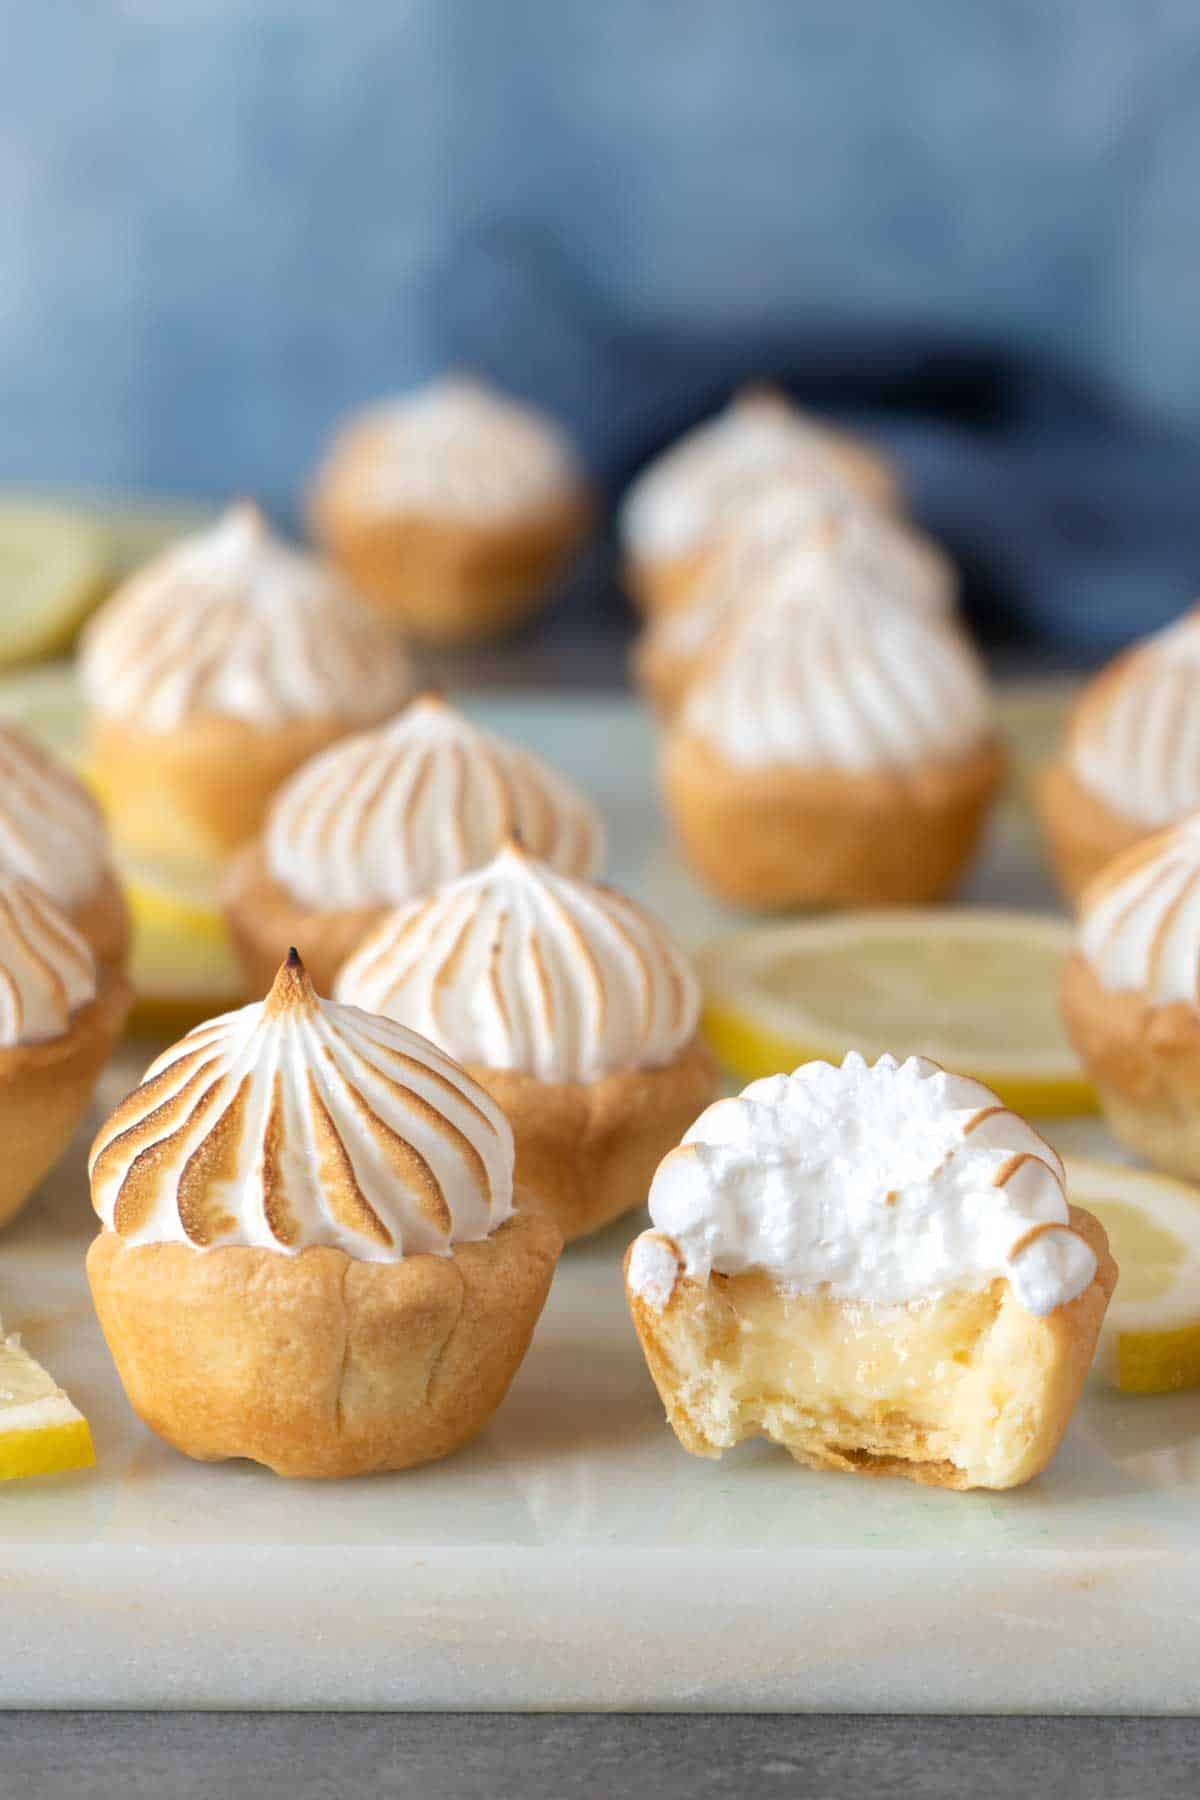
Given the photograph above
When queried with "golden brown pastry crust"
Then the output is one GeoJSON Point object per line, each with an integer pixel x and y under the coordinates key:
{"type": "Point", "coordinates": [1081, 832]}
{"type": "Point", "coordinates": [265, 922]}
{"type": "Point", "coordinates": [46, 1088]}
{"type": "Point", "coordinates": [1144, 1061]}
{"type": "Point", "coordinates": [1028, 1371]}
{"type": "Point", "coordinates": [200, 791]}
{"type": "Point", "coordinates": [449, 580]}
{"type": "Point", "coordinates": [786, 836]}
{"type": "Point", "coordinates": [664, 584]}
{"type": "Point", "coordinates": [587, 1150]}
{"type": "Point", "coordinates": [318, 1365]}
{"type": "Point", "coordinates": [103, 919]}
{"type": "Point", "coordinates": [662, 675]}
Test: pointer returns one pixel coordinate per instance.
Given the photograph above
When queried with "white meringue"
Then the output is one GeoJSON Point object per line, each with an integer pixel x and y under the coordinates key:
{"type": "Point", "coordinates": [388, 815]}
{"type": "Point", "coordinates": [1140, 926]}
{"type": "Point", "coordinates": [518, 967]}
{"type": "Point", "coordinates": [459, 448]}
{"type": "Point", "coordinates": [821, 677]}
{"type": "Point", "coordinates": [694, 490]}
{"type": "Point", "coordinates": [51, 830]}
{"type": "Point", "coordinates": [882, 1183]}
{"type": "Point", "coordinates": [1134, 738]}
{"type": "Point", "coordinates": [47, 970]}
{"type": "Point", "coordinates": [297, 1122]}
{"type": "Point", "coordinates": [235, 623]}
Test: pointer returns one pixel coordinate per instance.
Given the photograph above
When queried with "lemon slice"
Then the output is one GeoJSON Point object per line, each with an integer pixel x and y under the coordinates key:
{"type": "Point", "coordinates": [54, 565]}
{"type": "Point", "coordinates": [183, 965]}
{"type": "Point", "coordinates": [975, 990]}
{"type": "Point", "coordinates": [41, 1433]}
{"type": "Point", "coordinates": [1150, 1343]}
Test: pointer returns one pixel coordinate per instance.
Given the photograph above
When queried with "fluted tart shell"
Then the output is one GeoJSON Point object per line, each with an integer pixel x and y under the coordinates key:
{"type": "Point", "coordinates": [1081, 832]}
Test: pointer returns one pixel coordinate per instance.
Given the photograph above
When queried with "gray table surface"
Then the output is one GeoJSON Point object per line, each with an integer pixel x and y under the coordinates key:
{"type": "Point", "coordinates": [295, 1756]}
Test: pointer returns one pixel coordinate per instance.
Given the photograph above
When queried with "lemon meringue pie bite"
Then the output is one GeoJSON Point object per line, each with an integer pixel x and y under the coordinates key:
{"type": "Point", "coordinates": [215, 672]}
{"type": "Point", "coordinates": [875, 1266]}
{"type": "Point", "coordinates": [61, 1014]}
{"type": "Point", "coordinates": [312, 1251]}
{"type": "Point", "coordinates": [790, 541]}
{"type": "Point", "coordinates": [53, 834]}
{"type": "Point", "coordinates": [570, 1005]}
{"type": "Point", "coordinates": [833, 753]}
{"type": "Point", "coordinates": [1130, 996]}
{"type": "Point", "coordinates": [1130, 759]}
{"type": "Point", "coordinates": [678, 509]}
{"type": "Point", "coordinates": [388, 816]}
{"type": "Point", "coordinates": [452, 508]}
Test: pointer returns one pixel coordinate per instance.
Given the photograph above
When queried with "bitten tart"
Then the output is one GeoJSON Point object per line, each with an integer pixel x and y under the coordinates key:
{"type": "Point", "coordinates": [53, 833]}
{"type": "Point", "coordinates": [1130, 759]}
{"type": "Point", "coordinates": [832, 753]}
{"type": "Point", "coordinates": [453, 509]}
{"type": "Point", "coordinates": [678, 509]}
{"type": "Point", "coordinates": [1131, 996]}
{"type": "Point", "coordinates": [213, 674]}
{"type": "Point", "coordinates": [312, 1254]}
{"type": "Point", "coordinates": [62, 1012]}
{"type": "Point", "coordinates": [570, 1005]}
{"type": "Point", "coordinates": [875, 1266]}
{"type": "Point", "coordinates": [385, 817]}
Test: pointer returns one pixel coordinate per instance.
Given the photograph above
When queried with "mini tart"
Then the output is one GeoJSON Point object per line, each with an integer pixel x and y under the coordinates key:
{"type": "Point", "coordinates": [570, 1006]}
{"type": "Point", "coordinates": [927, 1309]}
{"type": "Point", "coordinates": [454, 511]}
{"type": "Point", "coordinates": [1082, 834]}
{"type": "Point", "coordinates": [63, 1015]}
{"type": "Point", "coordinates": [319, 1313]}
{"type": "Point", "coordinates": [385, 817]}
{"type": "Point", "coordinates": [213, 674]}
{"type": "Point", "coordinates": [784, 836]}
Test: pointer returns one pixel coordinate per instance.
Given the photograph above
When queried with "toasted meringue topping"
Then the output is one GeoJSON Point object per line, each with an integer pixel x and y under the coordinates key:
{"type": "Point", "coordinates": [47, 971]}
{"type": "Point", "coordinates": [297, 1122]}
{"type": "Point", "coordinates": [235, 623]}
{"type": "Point", "coordinates": [51, 830]}
{"type": "Point", "coordinates": [882, 1183]}
{"type": "Point", "coordinates": [693, 492]}
{"type": "Point", "coordinates": [455, 447]}
{"type": "Point", "coordinates": [821, 677]}
{"type": "Point", "coordinates": [388, 815]}
{"type": "Point", "coordinates": [517, 967]}
{"type": "Point", "coordinates": [1140, 923]}
{"type": "Point", "coordinates": [1134, 737]}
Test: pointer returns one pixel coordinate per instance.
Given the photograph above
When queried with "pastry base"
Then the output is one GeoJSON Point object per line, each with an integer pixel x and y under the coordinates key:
{"type": "Point", "coordinates": [1081, 833]}
{"type": "Point", "coordinates": [586, 1151]}
{"type": "Point", "coordinates": [45, 1090]}
{"type": "Point", "coordinates": [664, 584]}
{"type": "Point", "coordinates": [784, 836]}
{"type": "Point", "coordinates": [1144, 1062]}
{"type": "Point", "coordinates": [965, 1391]}
{"type": "Point", "coordinates": [452, 580]}
{"type": "Point", "coordinates": [662, 677]}
{"type": "Point", "coordinates": [320, 1366]}
{"type": "Point", "coordinates": [200, 791]}
{"type": "Point", "coordinates": [265, 922]}
{"type": "Point", "coordinates": [103, 919]}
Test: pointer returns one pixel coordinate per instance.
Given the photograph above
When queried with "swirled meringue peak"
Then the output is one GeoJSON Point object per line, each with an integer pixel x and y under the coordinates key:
{"type": "Point", "coordinates": [235, 623]}
{"type": "Point", "coordinates": [1134, 736]}
{"type": "Point", "coordinates": [51, 830]}
{"type": "Point", "coordinates": [1140, 920]}
{"type": "Point", "coordinates": [455, 447]}
{"type": "Point", "coordinates": [818, 675]}
{"type": "Point", "coordinates": [693, 492]}
{"type": "Point", "coordinates": [298, 1122]}
{"type": "Point", "coordinates": [883, 1183]}
{"type": "Point", "coordinates": [47, 970]}
{"type": "Point", "coordinates": [518, 967]}
{"type": "Point", "coordinates": [388, 815]}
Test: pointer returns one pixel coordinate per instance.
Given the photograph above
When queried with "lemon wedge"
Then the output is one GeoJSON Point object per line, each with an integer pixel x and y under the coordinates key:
{"type": "Point", "coordinates": [41, 1433]}
{"type": "Point", "coordinates": [975, 990]}
{"type": "Point", "coordinates": [1150, 1343]}
{"type": "Point", "coordinates": [54, 566]}
{"type": "Point", "coordinates": [183, 965]}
